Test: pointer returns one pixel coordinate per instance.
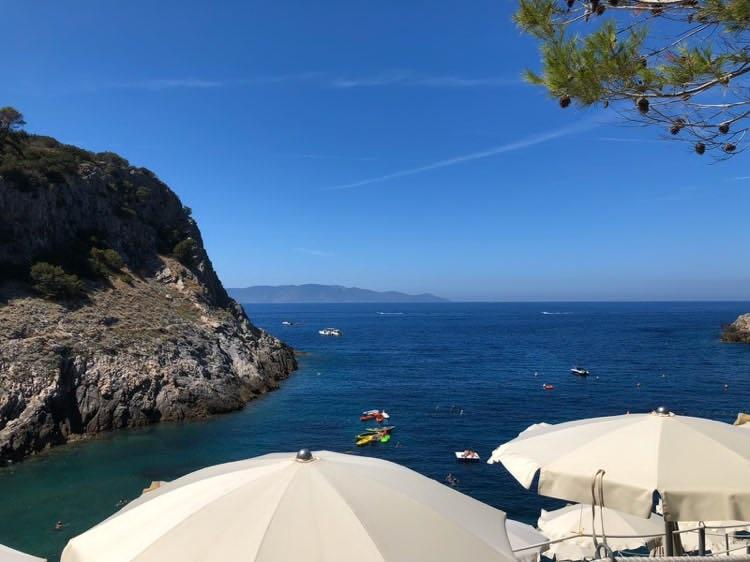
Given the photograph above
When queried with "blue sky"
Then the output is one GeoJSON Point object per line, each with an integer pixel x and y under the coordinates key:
{"type": "Point", "coordinates": [388, 145]}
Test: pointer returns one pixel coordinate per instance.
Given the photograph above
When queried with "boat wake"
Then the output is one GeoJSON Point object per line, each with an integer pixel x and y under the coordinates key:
{"type": "Point", "coordinates": [391, 313]}
{"type": "Point", "coordinates": [554, 313]}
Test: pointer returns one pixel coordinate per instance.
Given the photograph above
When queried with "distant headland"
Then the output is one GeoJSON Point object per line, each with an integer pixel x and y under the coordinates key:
{"type": "Point", "coordinates": [312, 293]}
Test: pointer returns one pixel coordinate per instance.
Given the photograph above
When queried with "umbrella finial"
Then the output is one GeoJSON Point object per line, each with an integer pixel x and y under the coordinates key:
{"type": "Point", "coordinates": [663, 411]}
{"type": "Point", "coordinates": [304, 455]}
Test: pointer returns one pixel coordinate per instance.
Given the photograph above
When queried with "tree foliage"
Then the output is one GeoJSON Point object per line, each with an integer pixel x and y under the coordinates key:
{"type": "Point", "coordinates": [184, 251]}
{"type": "Point", "coordinates": [681, 65]}
{"type": "Point", "coordinates": [11, 122]}
{"type": "Point", "coordinates": [104, 262]}
{"type": "Point", "coordinates": [10, 119]}
{"type": "Point", "coordinates": [52, 282]}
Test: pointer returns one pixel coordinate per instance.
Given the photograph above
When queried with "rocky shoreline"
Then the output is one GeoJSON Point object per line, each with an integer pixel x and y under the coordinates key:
{"type": "Point", "coordinates": [738, 331]}
{"type": "Point", "coordinates": [153, 335]}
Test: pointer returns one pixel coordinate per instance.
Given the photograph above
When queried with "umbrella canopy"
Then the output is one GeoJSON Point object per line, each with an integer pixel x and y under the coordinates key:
{"type": "Point", "coordinates": [320, 507]}
{"type": "Point", "coordinates": [10, 555]}
{"type": "Point", "coordinates": [716, 539]}
{"type": "Point", "coordinates": [575, 521]}
{"type": "Point", "coordinates": [699, 467]}
{"type": "Point", "coordinates": [522, 535]}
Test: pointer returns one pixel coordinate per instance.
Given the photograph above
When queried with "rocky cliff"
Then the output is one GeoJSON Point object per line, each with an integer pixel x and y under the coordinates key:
{"type": "Point", "coordinates": [738, 331]}
{"type": "Point", "coordinates": [125, 322]}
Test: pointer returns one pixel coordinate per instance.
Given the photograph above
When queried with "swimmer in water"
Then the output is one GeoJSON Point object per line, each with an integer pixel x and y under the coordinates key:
{"type": "Point", "coordinates": [59, 525]}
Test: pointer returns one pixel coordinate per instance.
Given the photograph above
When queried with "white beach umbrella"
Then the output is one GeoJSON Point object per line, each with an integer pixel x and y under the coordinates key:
{"type": "Point", "coordinates": [319, 507]}
{"type": "Point", "coordinates": [716, 538]}
{"type": "Point", "coordinates": [522, 535]}
{"type": "Point", "coordinates": [699, 467]}
{"type": "Point", "coordinates": [10, 555]}
{"type": "Point", "coordinates": [576, 521]}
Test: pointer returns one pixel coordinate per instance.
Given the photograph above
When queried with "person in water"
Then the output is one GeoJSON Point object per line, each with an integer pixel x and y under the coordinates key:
{"type": "Point", "coordinates": [59, 525]}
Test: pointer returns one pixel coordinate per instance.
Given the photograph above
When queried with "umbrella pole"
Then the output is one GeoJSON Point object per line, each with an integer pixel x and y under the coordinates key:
{"type": "Point", "coordinates": [668, 544]}
{"type": "Point", "coordinates": [701, 541]}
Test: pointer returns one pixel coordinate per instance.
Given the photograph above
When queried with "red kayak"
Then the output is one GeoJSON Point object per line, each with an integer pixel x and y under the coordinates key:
{"type": "Point", "coordinates": [378, 415]}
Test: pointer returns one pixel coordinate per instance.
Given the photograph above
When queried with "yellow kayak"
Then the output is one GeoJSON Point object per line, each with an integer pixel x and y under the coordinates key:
{"type": "Point", "coordinates": [366, 440]}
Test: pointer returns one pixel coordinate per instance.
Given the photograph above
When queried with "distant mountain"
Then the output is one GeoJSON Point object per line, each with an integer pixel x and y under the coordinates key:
{"type": "Point", "coordinates": [323, 294]}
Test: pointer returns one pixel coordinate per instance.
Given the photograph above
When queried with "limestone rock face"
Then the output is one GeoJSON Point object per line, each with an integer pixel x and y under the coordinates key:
{"type": "Point", "coordinates": [738, 331]}
{"type": "Point", "coordinates": [157, 340]}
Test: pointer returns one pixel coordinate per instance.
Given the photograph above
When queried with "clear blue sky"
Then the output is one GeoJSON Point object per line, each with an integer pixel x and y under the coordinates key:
{"type": "Point", "coordinates": [388, 145]}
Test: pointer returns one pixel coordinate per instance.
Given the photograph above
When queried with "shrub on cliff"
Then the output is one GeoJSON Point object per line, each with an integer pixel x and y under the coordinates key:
{"type": "Point", "coordinates": [105, 262]}
{"type": "Point", "coordinates": [51, 281]}
{"type": "Point", "coordinates": [29, 162]}
{"type": "Point", "coordinates": [11, 126]}
{"type": "Point", "coordinates": [184, 251]}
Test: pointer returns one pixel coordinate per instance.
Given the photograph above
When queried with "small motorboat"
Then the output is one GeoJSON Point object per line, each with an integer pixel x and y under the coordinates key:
{"type": "Point", "coordinates": [384, 429]}
{"type": "Point", "coordinates": [287, 323]}
{"type": "Point", "coordinates": [330, 332]}
{"type": "Point", "coordinates": [580, 372]}
{"type": "Point", "coordinates": [378, 415]}
{"type": "Point", "coordinates": [374, 435]}
{"type": "Point", "coordinates": [548, 386]}
{"type": "Point", "coordinates": [467, 456]}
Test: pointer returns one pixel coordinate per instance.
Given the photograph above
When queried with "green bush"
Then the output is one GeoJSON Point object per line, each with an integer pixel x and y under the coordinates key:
{"type": "Point", "coordinates": [37, 161]}
{"type": "Point", "coordinates": [105, 262]}
{"type": "Point", "coordinates": [52, 282]}
{"type": "Point", "coordinates": [143, 193]}
{"type": "Point", "coordinates": [184, 251]}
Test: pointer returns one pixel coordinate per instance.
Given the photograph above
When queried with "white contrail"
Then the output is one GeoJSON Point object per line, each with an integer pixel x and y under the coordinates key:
{"type": "Point", "coordinates": [509, 147]}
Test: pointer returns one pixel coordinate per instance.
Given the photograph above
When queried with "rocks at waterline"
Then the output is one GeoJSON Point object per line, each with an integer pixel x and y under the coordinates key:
{"type": "Point", "coordinates": [152, 336]}
{"type": "Point", "coordinates": [738, 331]}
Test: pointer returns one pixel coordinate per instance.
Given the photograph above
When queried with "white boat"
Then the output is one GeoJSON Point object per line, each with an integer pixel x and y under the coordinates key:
{"type": "Point", "coordinates": [330, 332]}
{"type": "Point", "coordinates": [467, 456]}
{"type": "Point", "coordinates": [376, 414]}
{"type": "Point", "coordinates": [579, 372]}
{"type": "Point", "coordinates": [287, 323]}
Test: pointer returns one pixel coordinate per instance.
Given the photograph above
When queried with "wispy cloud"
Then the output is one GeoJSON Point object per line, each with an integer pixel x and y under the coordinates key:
{"type": "Point", "coordinates": [494, 151]}
{"type": "Point", "coordinates": [741, 178]}
{"type": "Point", "coordinates": [157, 84]}
{"type": "Point", "coordinates": [319, 79]}
{"type": "Point", "coordinates": [311, 252]}
{"type": "Point", "coordinates": [313, 156]}
{"type": "Point", "coordinates": [628, 139]}
{"type": "Point", "coordinates": [410, 79]}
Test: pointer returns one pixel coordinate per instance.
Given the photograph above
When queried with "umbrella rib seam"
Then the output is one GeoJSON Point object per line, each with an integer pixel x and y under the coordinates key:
{"type": "Point", "coordinates": [351, 509]}
{"type": "Point", "coordinates": [455, 522]}
{"type": "Point", "coordinates": [273, 516]}
{"type": "Point", "coordinates": [194, 514]}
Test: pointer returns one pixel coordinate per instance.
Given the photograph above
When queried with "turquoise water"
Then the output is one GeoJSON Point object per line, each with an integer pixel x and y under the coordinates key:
{"type": "Point", "coordinates": [425, 365]}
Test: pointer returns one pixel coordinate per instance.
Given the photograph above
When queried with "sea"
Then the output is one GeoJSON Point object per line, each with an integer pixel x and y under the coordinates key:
{"type": "Point", "coordinates": [452, 376]}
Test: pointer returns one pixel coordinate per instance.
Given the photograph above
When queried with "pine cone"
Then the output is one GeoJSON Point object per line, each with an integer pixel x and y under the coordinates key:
{"type": "Point", "coordinates": [600, 9]}
{"type": "Point", "coordinates": [724, 128]}
{"type": "Point", "coordinates": [564, 101]}
{"type": "Point", "coordinates": [700, 148]}
{"type": "Point", "coordinates": [643, 105]}
{"type": "Point", "coordinates": [729, 147]}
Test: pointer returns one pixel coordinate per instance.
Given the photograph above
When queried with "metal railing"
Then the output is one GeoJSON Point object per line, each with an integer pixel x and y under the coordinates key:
{"type": "Point", "coordinates": [700, 529]}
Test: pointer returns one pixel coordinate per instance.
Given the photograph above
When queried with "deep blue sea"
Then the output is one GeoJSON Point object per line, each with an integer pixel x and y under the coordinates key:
{"type": "Point", "coordinates": [453, 376]}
